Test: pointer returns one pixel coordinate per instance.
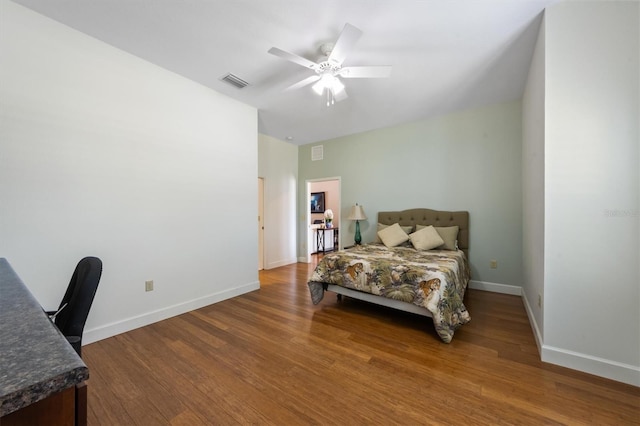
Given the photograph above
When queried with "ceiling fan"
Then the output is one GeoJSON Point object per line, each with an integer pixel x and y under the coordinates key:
{"type": "Point", "coordinates": [328, 72]}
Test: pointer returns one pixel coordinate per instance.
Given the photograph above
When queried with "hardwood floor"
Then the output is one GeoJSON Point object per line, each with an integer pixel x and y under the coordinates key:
{"type": "Point", "coordinates": [272, 357]}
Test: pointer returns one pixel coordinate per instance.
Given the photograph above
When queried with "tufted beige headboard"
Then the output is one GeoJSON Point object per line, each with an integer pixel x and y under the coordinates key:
{"type": "Point", "coordinates": [415, 217]}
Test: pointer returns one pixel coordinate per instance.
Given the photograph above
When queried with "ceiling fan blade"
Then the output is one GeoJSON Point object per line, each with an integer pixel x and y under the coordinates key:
{"type": "Point", "coordinates": [347, 39]}
{"type": "Point", "coordinates": [304, 82]}
{"type": "Point", "coordinates": [381, 71]}
{"type": "Point", "coordinates": [293, 58]}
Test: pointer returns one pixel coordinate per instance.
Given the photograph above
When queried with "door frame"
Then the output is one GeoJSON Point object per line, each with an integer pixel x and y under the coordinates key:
{"type": "Point", "coordinates": [261, 251]}
{"type": "Point", "coordinates": [307, 210]}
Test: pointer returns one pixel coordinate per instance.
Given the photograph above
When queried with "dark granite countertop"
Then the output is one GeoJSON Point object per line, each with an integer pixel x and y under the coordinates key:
{"type": "Point", "coordinates": [35, 358]}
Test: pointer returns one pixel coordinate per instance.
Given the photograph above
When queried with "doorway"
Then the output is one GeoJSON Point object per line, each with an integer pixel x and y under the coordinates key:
{"type": "Point", "coordinates": [260, 224]}
{"type": "Point", "coordinates": [331, 189]}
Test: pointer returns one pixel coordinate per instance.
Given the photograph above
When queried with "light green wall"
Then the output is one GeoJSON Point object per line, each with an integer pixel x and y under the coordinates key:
{"type": "Point", "coordinates": [464, 161]}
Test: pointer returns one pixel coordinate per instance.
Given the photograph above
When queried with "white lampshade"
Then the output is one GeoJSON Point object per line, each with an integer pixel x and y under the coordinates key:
{"type": "Point", "coordinates": [318, 87]}
{"type": "Point", "coordinates": [357, 213]}
{"type": "Point", "coordinates": [330, 82]}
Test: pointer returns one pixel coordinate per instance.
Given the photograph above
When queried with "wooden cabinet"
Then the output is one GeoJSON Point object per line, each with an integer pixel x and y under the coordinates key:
{"type": "Point", "coordinates": [67, 407]}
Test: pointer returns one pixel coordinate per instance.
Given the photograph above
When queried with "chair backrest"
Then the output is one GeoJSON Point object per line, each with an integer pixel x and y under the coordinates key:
{"type": "Point", "coordinates": [79, 297]}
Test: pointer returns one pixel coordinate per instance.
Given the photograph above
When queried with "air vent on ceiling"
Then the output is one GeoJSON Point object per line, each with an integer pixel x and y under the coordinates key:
{"type": "Point", "coordinates": [317, 153]}
{"type": "Point", "coordinates": [235, 81]}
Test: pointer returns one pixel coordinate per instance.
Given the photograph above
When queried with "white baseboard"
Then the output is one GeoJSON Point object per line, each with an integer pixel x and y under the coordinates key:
{"type": "Point", "coordinates": [607, 368]}
{"type": "Point", "coordinates": [118, 327]}
{"type": "Point", "coordinates": [302, 260]}
{"type": "Point", "coordinates": [532, 321]}
{"type": "Point", "coordinates": [496, 288]}
{"type": "Point", "coordinates": [280, 263]}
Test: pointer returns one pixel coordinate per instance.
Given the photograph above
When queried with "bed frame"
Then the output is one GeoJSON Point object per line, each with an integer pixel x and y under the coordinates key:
{"type": "Point", "coordinates": [413, 217]}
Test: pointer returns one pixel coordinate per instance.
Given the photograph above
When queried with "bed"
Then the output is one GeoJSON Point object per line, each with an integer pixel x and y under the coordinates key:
{"type": "Point", "coordinates": [429, 282]}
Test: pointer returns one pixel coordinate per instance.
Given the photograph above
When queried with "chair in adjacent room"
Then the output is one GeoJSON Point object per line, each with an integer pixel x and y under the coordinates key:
{"type": "Point", "coordinates": [76, 303]}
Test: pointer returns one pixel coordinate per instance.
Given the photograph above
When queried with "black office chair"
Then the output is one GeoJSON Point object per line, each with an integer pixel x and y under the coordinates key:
{"type": "Point", "coordinates": [76, 303]}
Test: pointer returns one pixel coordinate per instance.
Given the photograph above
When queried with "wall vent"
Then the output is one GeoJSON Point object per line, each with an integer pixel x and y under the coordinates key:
{"type": "Point", "coordinates": [235, 81]}
{"type": "Point", "coordinates": [317, 153]}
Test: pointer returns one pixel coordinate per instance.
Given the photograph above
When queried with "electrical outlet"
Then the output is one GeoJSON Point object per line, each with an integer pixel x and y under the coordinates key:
{"type": "Point", "coordinates": [494, 264]}
{"type": "Point", "coordinates": [148, 285]}
{"type": "Point", "coordinates": [539, 301]}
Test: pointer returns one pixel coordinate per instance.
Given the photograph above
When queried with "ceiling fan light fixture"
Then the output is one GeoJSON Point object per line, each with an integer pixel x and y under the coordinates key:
{"type": "Point", "coordinates": [328, 82]}
{"type": "Point", "coordinates": [318, 88]}
{"type": "Point", "coordinates": [337, 86]}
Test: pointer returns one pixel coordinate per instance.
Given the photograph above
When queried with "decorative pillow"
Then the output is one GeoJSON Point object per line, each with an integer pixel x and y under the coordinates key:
{"type": "Point", "coordinates": [406, 229]}
{"type": "Point", "coordinates": [450, 236]}
{"type": "Point", "coordinates": [426, 239]}
{"type": "Point", "coordinates": [448, 233]}
{"type": "Point", "coordinates": [393, 235]}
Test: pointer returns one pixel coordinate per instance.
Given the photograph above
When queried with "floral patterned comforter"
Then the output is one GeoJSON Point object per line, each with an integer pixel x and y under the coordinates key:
{"type": "Point", "coordinates": [434, 279]}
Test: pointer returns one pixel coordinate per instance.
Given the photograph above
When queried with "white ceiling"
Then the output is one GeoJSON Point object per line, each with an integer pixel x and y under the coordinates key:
{"type": "Point", "coordinates": [447, 55]}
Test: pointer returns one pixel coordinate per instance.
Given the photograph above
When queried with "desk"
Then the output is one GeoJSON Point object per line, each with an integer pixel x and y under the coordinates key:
{"type": "Point", "coordinates": [321, 239]}
{"type": "Point", "coordinates": [42, 378]}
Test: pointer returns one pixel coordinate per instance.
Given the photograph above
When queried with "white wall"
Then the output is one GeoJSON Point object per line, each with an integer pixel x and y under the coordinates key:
{"type": "Point", "coordinates": [592, 192]}
{"type": "Point", "coordinates": [470, 160]}
{"type": "Point", "coordinates": [278, 165]}
{"type": "Point", "coordinates": [533, 189]}
{"type": "Point", "coordinates": [105, 154]}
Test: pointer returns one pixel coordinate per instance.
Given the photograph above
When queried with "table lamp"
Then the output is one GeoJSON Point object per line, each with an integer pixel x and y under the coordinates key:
{"type": "Point", "coordinates": [357, 214]}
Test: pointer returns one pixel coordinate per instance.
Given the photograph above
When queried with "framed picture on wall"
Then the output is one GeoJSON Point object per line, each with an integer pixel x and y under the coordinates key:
{"type": "Point", "coordinates": [317, 202]}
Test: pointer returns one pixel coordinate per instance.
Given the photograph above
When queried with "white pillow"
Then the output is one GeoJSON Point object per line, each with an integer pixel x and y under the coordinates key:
{"type": "Point", "coordinates": [393, 235]}
{"type": "Point", "coordinates": [448, 233]}
{"type": "Point", "coordinates": [406, 229]}
{"type": "Point", "coordinates": [426, 239]}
